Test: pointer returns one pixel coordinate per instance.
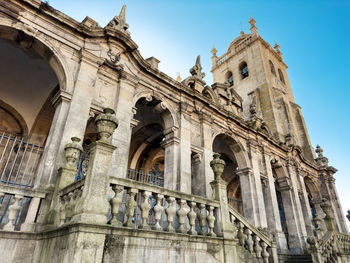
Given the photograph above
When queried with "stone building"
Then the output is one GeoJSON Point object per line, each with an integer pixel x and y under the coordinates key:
{"type": "Point", "coordinates": [104, 158]}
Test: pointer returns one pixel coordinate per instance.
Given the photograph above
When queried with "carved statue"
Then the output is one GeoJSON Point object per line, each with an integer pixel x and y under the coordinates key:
{"type": "Point", "coordinates": [196, 70]}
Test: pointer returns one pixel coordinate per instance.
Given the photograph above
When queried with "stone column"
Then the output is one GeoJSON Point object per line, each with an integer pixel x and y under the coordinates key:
{"type": "Point", "coordinates": [339, 215]}
{"type": "Point", "coordinates": [122, 136]}
{"type": "Point", "coordinates": [185, 151]}
{"type": "Point", "coordinates": [246, 180]}
{"type": "Point", "coordinates": [295, 240]}
{"type": "Point", "coordinates": [197, 185]}
{"type": "Point", "coordinates": [225, 227]}
{"type": "Point", "coordinates": [47, 165]}
{"type": "Point", "coordinates": [207, 174]}
{"type": "Point", "coordinates": [271, 205]}
{"type": "Point", "coordinates": [258, 193]}
{"type": "Point", "coordinates": [171, 160]}
{"type": "Point", "coordinates": [305, 204]}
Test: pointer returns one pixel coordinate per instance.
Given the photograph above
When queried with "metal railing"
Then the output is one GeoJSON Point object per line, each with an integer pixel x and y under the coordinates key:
{"type": "Point", "coordinates": [18, 161]}
{"type": "Point", "coordinates": [152, 178]}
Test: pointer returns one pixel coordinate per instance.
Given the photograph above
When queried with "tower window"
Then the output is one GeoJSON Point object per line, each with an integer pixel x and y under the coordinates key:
{"type": "Point", "coordinates": [243, 68]}
{"type": "Point", "coordinates": [230, 79]}
{"type": "Point", "coordinates": [272, 68]}
{"type": "Point", "coordinates": [281, 76]}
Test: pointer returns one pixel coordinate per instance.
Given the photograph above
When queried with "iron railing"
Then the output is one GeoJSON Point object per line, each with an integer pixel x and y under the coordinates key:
{"type": "Point", "coordinates": [152, 178]}
{"type": "Point", "coordinates": [19, 160]}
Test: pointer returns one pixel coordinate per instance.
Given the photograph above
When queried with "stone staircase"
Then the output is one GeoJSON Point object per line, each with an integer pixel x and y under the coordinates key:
{"type": "Point", "coordinates": [299, 258]}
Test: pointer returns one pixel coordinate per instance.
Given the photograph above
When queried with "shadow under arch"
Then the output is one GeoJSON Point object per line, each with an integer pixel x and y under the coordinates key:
{"type": "Point", "coordinates": [38, 46]}
{"type": "Point", "coordinates": [234, 156]}
{"type": "Point", "coordinates": [17, 117]}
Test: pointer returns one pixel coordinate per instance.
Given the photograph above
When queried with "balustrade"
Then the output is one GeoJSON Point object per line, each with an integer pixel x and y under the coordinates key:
{"type": "Point", "coordinates": [143, 206]}
{"type": "Point", "coordinates": [69, 196]}
{"type": "Point", "coordinates": [19, 208]}
{"type": "Point", "coordinates": [251, 238]}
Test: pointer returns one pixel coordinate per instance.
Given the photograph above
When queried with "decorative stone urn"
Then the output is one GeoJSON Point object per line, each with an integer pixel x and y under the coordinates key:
{"type": "Point", "coordinates": [72, 152]}
{"type": "Point", "coordinates": [218, 166]}
{"type": "Point", "coordinates": [106, 124]}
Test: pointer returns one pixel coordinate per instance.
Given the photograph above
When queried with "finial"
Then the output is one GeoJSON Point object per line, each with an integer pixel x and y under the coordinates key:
{"type": "Point", "coordinates": [178, 78]}
{"type": "Point", "coordinates": [242, 33]}
{"type": "Point", "coordinates": [122, 13]}
{"type": "Point", "coordinates": [277, 47]}
{"type": "Point", "coordinates": [196, 70]}
{"type": "Point", "coordinates": [213, 51]}
{"type": "Point", "coordinates": [119, 22]}
{"type": "Point", "coordinates": [319, 151]}
{"type": "Point", "coordinates": [253, 28]}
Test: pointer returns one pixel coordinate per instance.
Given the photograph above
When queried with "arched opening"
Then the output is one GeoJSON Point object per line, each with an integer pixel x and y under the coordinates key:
{"type": "Point", "coordinates": [28, 83]}
{"type": "Point", "coordinates": [229, 78]}
{"type": "Point", "coordinates": [281, 76]}
{"type": "Point", "coordinates": [311, 195]}
{"type": "Point", "coordinates": [229, 150]}
{"type": "Point", "coordinates": [243, 69]}
{"type": "Point", "coordinates": [272, 68]}
{"type": "Point", "coordinates": [147, 152]}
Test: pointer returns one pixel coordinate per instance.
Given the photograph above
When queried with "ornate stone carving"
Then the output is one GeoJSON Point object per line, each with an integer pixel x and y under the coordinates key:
{"type": "Point", "coordinates": [106, 124]}
{"type": "Point", "coordinates": [119, 22]}
{"type": "Point", "coordinates": [217, 165]}
{"type": "Point", "coordinates": [72, 153]}
{"type": "Point", "coordinates": [196, 70]}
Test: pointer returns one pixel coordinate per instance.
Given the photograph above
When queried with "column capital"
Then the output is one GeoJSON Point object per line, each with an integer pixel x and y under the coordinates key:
{"type": "Point", "coordinates": [244, 171]}
{"type": "Point", "coordinates": [284, 183]}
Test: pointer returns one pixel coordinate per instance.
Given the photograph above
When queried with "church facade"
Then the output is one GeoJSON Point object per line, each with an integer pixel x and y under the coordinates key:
{"type": "Point", "coordinates": [104, 158]}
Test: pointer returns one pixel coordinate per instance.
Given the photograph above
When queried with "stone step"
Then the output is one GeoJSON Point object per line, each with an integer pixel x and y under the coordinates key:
{"type": "Point", "coordinates": [299, 258]}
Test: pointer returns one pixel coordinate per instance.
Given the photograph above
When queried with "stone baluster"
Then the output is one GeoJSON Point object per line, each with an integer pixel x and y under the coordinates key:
{"type": "Point", "coordinates": [69, 207]}
{"type": "Point", "coordinates": [116, 202]}
{"type": "Point", "coordinates": [234, 227]}
{"type": "Point", "coordinates": [249, 240]}
{"type": "Point", "coordinates": [192, 218]}
{"type": "Point", "coordinates": [241, 236]}
{"type": "Point", "coordinates": [170, 212]}
{"type": "Point", "coordinates": [145, 207]}
{"type": "Point", "coordinates": [257, 247]}
{"type": "Point", "coordinates": [13, 211]}
{"type": "Point", "coordinates": [182, 214]}
{"type": "Point", "coordinates": [158, 211]}
{"type": "Point", "coordinates": [211, 221]}
{"type": "Point", "coordinates": [265, 255]}
{"type": "Point", "coordinates": [130, 207]}
{"type": "Point", "coordinates": [202, 216]}
{"type": "Point", "coordinates": [2, 196]}
{"type": "Point", "coordinates": [62, 211]}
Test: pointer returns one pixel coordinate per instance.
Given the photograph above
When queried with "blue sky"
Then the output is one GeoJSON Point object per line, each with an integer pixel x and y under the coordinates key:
{"type": "Point", "coordinates": [313, 35]}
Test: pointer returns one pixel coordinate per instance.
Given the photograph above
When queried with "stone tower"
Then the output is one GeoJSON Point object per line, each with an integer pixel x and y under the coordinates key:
{"type": "Point", "coordinates": [258, 73]}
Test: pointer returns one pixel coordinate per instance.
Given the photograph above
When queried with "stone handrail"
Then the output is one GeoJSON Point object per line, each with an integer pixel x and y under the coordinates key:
{"type": "Point", "coordinates": [141, 206]}
{"type": "Point", "coordinates": [237, 218]}
{"type": "Point", "coordinates": [329, 247]}
{"type": "Point", "coordinates": [251, 239]}
{"type": "Point", "coordinates": [17, 205]}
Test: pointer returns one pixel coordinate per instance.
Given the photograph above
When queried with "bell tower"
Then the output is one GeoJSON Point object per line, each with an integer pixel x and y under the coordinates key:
{"type": "Point", "coordinates": [258, 73]}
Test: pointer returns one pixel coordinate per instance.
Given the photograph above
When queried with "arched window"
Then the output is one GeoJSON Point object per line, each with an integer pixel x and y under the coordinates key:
{"type": "Point", "coordinates": [272, 68]}
{"type": "Point", "coordinates": [230, 79]}
{"type": "Point", "coordinates": [281, 76]}
{"type": "Point", "coordinates": [243, 68]}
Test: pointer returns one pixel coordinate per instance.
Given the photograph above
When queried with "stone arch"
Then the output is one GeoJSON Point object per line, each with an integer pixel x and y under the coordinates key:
{"type": "Point", "coordinates": [237, 148]}
{"type": "Point", "coordinates": [210, 94]}
{"type": "Point", "coordinates": [28, 37]}
{"type": "Point", "coordinates": [17, 117]}
{"type": "Point", "coordinates": [312, 188]}
{"type": "Point", "coordinates": [168, 112]}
